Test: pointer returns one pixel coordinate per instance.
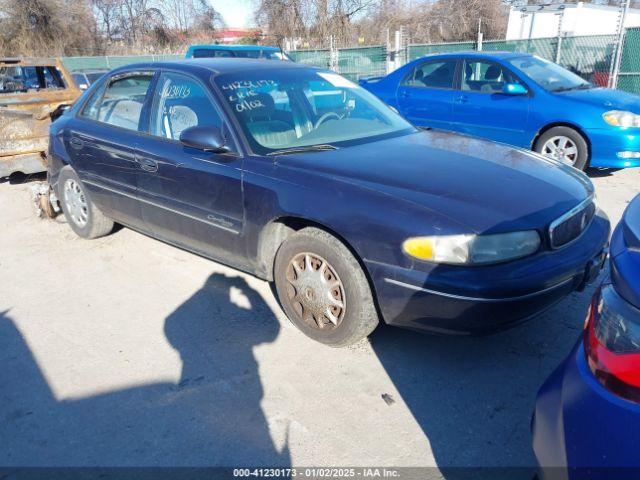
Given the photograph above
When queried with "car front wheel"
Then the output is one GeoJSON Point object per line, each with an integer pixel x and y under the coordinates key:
{"type": "Point", "coordinates": [565, 145]}
{"type": "Point", "coordinates": [323, 289]}
{"type": "Point", "coordinates": [82, 215]}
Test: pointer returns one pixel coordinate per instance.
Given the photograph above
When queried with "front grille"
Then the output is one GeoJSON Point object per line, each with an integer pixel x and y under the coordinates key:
{"type": "Point", "coordinates": [571, 225]}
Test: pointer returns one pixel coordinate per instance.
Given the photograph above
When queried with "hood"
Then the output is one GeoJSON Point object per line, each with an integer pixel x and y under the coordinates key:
{"type": "Point", "coordinates": [480, 186]}
{"type": "Point", "coordinates": [606, 98]}
{"type": "Point", "coordinates": [625, 254]}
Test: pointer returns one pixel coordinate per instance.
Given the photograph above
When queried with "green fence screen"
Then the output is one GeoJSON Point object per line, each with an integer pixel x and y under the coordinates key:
{"type": "Point", "coordinates": [87, 63]}
{"type": "Point", "coordinates": [629, 76]}
{"type": "Point", "coordinates": [588, 56]}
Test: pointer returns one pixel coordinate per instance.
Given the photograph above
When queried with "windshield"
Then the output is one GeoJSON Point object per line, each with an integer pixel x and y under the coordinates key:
{"type": "Point", "coordinates": [549, 75]}
{"type": "Point", "coordinates": [291, 108]}
{"type": "Point", "coordinates": [249, 53]}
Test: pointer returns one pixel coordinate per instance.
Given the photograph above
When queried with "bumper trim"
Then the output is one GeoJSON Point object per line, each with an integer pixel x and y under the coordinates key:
{"type": "Point", "coordinates": [478, 299]}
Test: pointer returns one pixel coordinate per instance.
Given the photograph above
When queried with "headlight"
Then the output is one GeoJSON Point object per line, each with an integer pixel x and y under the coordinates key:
{"type": "Point", "coordinates": [473, 249]}
{"type": "Point", "coordinates": [619, 118]}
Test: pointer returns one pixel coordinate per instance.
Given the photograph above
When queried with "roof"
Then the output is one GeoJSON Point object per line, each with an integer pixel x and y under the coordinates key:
{"type": "Point", "coordinates": [483, 54]}
{"type": "Point", "coordinates": [235, 47]}
{"type": "Point", "coordinates": [37, 62]}
{"type": "Point", "coordinates": [218, 65]}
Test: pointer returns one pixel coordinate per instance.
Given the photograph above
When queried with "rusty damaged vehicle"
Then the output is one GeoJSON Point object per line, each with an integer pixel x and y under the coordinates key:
{"type": "Point", "coordinates": [32, 93]}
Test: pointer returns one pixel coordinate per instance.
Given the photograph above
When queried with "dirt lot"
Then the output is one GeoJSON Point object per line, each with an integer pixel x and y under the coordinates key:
{"type": "Point", "coordinates": [126, 351]}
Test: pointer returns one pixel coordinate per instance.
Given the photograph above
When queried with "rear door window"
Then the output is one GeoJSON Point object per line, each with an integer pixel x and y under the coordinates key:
{"type": "Point", "coordinates": [434, 74]}
{"type": "Point", "coordinates": [120, 102]}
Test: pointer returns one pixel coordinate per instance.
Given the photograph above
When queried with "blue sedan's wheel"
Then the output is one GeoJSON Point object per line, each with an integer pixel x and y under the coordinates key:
{"type": "Point", "coordinates": [323, 289]}
{"type": "Point", "coordinates": [82, 215]}
{"type": "Point", "coordinates": [565, 145]}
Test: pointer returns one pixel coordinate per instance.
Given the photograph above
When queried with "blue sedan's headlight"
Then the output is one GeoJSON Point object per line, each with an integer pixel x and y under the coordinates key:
{"type": "Point", "coordinates": [619, 118]}
{"type": "Point", "coordinates": [473, 249]}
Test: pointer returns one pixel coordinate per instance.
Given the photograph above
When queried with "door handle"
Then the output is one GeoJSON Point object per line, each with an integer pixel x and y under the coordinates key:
{"type": "Point", "coordinates": [147, 164]}
{"type": "Point", "coordinates": [462, 99]}
{"type": "Point", "coordinates": [76, 143]}
{"type": "Point", "coordinates": [405, 94]}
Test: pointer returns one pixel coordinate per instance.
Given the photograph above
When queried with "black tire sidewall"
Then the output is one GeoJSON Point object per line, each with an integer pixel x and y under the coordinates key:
{"type": "Point", "coordinates": [68, 173]}
{"type": "Point", "coordinates": [359, 302]}
{"type": "Point", "coordinates": [582, 162]}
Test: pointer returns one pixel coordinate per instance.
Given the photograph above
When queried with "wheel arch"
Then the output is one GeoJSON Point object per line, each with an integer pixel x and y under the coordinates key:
{"type": "Point", "coordinates": [274, 233]}
{"type": "Point", "coordinates": [570, 125]}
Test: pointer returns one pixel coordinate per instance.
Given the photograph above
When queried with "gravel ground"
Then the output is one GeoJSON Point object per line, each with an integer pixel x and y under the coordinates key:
{"type": "Point", "coordinates": [125, 351]}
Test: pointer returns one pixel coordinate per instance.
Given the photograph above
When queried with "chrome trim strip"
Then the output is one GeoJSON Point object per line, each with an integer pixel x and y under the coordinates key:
{"type": "Point", "coordinates": [578, 208]}
{"type": "Point", "coordinates": [477, 299]}
{"type": "Point", "coordinates": [148, 202]}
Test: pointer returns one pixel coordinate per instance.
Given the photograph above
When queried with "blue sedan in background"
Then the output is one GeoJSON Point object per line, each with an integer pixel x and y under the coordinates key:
{"type": "Point", "coordinates": [300, 177]}
{"type": "Point", "coordinates": [587, 416]}
{"type": "Point", "coordinates": [237, 51]}
{"type": "Point", "coordinates": [518, 99]}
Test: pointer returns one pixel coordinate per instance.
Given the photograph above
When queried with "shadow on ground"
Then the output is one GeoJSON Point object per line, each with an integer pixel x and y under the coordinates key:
{"type": "Point", "coordinates": [473, 396]}
{"type": "Point", "coordinates": [212, 416]}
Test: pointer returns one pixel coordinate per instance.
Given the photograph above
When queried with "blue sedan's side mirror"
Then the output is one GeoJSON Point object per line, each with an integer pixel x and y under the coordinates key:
{"type": "Point", "coordinates": [209, 139]}
{"type": "Point", "coordinates": [514, 89]}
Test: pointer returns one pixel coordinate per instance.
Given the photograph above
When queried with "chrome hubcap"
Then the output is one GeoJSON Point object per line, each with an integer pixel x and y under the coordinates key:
{"type": "Point", "coordinates": [315, 291]}
{"type": "Point", "coordinates": [562, 149]}
{"type": "Point", "coordinates": [75, 203]}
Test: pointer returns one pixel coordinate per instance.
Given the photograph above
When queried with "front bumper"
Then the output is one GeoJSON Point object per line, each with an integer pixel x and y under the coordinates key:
{"type": "Point", "coordinates": [606, 143]}
{"type": "Point", "coordinates": [580, 430]}
{"type": "Point", "coordinates": [462, 300]}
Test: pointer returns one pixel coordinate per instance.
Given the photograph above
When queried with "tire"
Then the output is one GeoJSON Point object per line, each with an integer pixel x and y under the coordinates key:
{"type": "Point", "coordinates": [82, 215]}
{"type": "Point", "coordinates": [357, 317]}
{"type": "Point", "coordinates": [554, 138]}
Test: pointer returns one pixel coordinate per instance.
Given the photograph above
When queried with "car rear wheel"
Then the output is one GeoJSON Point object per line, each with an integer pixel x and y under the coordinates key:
{"type": "Point", "coordinates": [323, 289]}
{"type": "Point", "coordinates": [565, 145]}
{"type": "Point", "coordinates": [84, 218]}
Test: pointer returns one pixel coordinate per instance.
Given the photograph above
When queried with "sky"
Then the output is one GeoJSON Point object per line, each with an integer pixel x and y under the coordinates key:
{"type": "Point", "coordinates": [236, 13]}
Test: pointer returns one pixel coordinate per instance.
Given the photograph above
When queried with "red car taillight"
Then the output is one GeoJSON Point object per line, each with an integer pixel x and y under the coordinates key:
{"type": "Point", "coordinates": [612, 343]}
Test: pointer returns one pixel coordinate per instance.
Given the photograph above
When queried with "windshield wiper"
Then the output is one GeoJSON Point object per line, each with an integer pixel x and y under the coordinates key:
{"type": "Point", "coordinates": [582, 86]}
{"type": "Point", "coordinates": [311, 148]}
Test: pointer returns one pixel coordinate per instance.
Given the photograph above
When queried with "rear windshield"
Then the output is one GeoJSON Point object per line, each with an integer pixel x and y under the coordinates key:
{"type": "Point", "coordinates": [17, 78]}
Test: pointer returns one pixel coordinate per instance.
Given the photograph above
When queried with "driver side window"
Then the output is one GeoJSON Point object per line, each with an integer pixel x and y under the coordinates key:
{"type": "Point", "coordinates": [485, 77]}
{"type": "Point", "coordinates": [180, 102]}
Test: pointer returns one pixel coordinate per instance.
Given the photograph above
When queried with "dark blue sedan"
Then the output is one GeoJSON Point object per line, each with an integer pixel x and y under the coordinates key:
{"type": "Point", "coordinates": [520, 100]}
{"type": "Point", "coordinates": [298, 176]}
{"type": "Point", "coordinates": [587, 417]}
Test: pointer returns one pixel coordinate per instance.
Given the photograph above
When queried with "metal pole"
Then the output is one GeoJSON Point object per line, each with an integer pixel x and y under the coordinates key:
{"type": "Point", "coordinates": [617, 58]}
{"type": "Point", "coordinates": [479, 42]}
{"type": "Point", "coordinates": [559, 43]}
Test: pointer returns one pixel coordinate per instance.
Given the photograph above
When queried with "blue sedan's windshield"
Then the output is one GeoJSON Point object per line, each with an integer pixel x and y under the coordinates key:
{"type": "Point", "coordinates": [294, 108]}
{"type": "Point", "coordinates": [549, 75]}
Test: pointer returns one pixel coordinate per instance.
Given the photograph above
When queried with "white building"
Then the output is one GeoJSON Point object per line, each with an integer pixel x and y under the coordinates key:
{"type": "Point", "coordinates": [577, 19]}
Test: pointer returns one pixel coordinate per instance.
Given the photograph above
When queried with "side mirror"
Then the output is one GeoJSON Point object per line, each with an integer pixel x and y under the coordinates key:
{"type": "Point", "coordinates": [514, 89]}
{"type": "Point", "coordinates": [208, 139]}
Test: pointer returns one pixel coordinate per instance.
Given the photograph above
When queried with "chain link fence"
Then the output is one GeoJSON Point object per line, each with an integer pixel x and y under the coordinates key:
{"type": "Point", "coordinates": [590, 57]}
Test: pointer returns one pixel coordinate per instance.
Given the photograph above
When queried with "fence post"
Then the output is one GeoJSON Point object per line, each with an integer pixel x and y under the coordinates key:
{"type": "Point", "coordinates": [614, 70]}
{"type": "Point", "coordinates": [480, 35]}
{"type": "Point", "coordinates": [559, 42]}
{"type": "Point", "coordinates": [333, 54]}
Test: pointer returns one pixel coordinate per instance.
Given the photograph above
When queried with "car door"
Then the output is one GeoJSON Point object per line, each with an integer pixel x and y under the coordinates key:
{"type": "Point", "coordinates": [102, 140]}
{"type": "Point", "coordinates": [482, 109]}
{"type": "Point", "coordinates": [190, 197]}
{"type": "Point", "coordinates": [425, 95]}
